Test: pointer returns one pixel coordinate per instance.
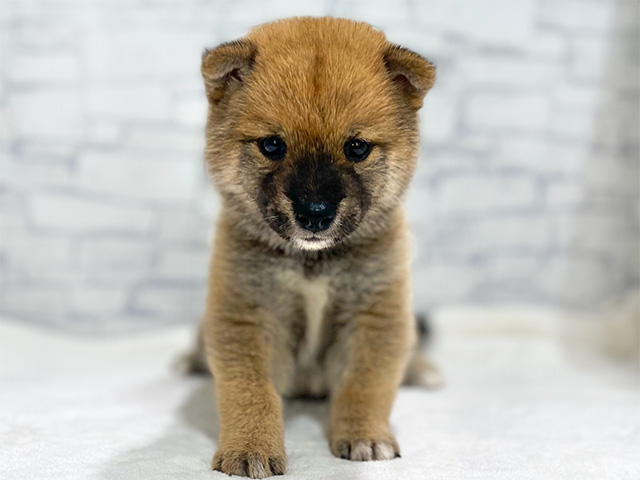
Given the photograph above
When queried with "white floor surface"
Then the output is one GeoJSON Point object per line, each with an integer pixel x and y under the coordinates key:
{"type": "Point", "coordinates": [513, 408]}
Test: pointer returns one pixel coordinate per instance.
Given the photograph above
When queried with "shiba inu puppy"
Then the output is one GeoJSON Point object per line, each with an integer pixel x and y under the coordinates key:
{"type": "Point", "coordinates": [311, 141]}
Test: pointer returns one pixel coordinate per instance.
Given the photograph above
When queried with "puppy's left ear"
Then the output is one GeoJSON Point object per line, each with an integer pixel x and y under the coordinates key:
{"type": "Point", "coordinates": [226, 68]}
{"type": "Point", "coordinates": [411, 74]}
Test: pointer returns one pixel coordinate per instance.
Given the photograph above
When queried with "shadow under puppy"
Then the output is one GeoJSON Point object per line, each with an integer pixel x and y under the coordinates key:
{"type": "Point", "coordinates": [311, 140]}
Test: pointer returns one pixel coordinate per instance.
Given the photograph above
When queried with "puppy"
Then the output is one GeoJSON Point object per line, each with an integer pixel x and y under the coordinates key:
{"type": "Point", "coordinates": [311, 141]}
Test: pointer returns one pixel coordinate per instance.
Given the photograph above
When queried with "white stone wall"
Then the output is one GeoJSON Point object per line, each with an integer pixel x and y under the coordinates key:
{"type": "Point", "coordinates": [527, 190]}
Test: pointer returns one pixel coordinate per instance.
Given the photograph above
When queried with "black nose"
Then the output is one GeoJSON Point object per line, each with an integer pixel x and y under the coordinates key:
{"type": "Point", "coordinates": [314, 216]}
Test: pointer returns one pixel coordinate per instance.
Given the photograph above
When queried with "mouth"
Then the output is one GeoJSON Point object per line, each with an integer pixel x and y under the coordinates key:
{"type": "Point", "coordinates": [299, 237]}
{"type": "Point", "coordinates": [307, 240]}
{"type": "Point", "coordinates": [290, 230]}
{"type": "Point", "coordinates": [313, 243]}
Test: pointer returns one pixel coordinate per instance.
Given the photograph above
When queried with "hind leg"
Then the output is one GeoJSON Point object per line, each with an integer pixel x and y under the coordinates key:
{"type": "Point", "coordinates": [195, 361]}
{"type": "Point", "coordinates": [422, 372]}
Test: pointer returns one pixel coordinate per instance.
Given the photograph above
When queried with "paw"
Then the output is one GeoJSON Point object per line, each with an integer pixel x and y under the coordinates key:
{"type": "Point", "coordinates": [421, 372]}
{"type": "Point", "coordinates": [365, 450]}
{"type": "Point", "coordinates": [429, 379]}
{"type": "Point", "coordinates": [192, 363]}
{"type": "Point", "coordinates": [248, 464]}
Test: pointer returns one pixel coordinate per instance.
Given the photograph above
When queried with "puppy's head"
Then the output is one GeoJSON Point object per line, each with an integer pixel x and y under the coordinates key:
{"type": "Point", "coordinates": [312, 127]}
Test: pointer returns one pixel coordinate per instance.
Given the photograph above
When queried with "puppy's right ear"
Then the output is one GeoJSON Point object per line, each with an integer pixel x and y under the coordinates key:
{"type": "Point", "coordinates": [226, 67]}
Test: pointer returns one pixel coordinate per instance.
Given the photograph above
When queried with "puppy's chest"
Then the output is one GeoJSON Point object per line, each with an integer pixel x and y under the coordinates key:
{"type": "Point", "coordinates": [311, 298]}
{"type": "Point", "coordinates": [315, 318]}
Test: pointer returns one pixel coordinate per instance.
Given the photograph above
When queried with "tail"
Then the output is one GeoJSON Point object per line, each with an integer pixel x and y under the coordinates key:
{"type": "Point", "coordinates": [425, 329]}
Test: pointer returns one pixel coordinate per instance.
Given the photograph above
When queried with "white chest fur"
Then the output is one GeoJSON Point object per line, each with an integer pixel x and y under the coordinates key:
{"type": "Point", "coordinates": [314, 293]}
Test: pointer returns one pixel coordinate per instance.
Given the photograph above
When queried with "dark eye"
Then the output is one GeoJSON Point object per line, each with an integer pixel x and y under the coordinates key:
{"type": "Point", "coordinates": [273, 148]}
{"type": "Point", "coordinates": [357, 149]}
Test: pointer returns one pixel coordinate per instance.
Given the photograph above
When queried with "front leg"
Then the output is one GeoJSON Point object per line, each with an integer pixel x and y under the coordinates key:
{"type": "Point", "coordinates": [380, 345]}
{"type": "Point", "coordinates": [251, 439]}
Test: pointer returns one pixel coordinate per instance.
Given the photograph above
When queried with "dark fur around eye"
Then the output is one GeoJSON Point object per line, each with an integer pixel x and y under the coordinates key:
{"type": "Point", "coordinates": [274, 147]}
{"type": "Point", "coordinates": [356, 149]}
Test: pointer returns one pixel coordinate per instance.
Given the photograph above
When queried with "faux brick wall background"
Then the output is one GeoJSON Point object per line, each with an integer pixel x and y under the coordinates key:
{"type": "Point", "coordinates": [527, 190]}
